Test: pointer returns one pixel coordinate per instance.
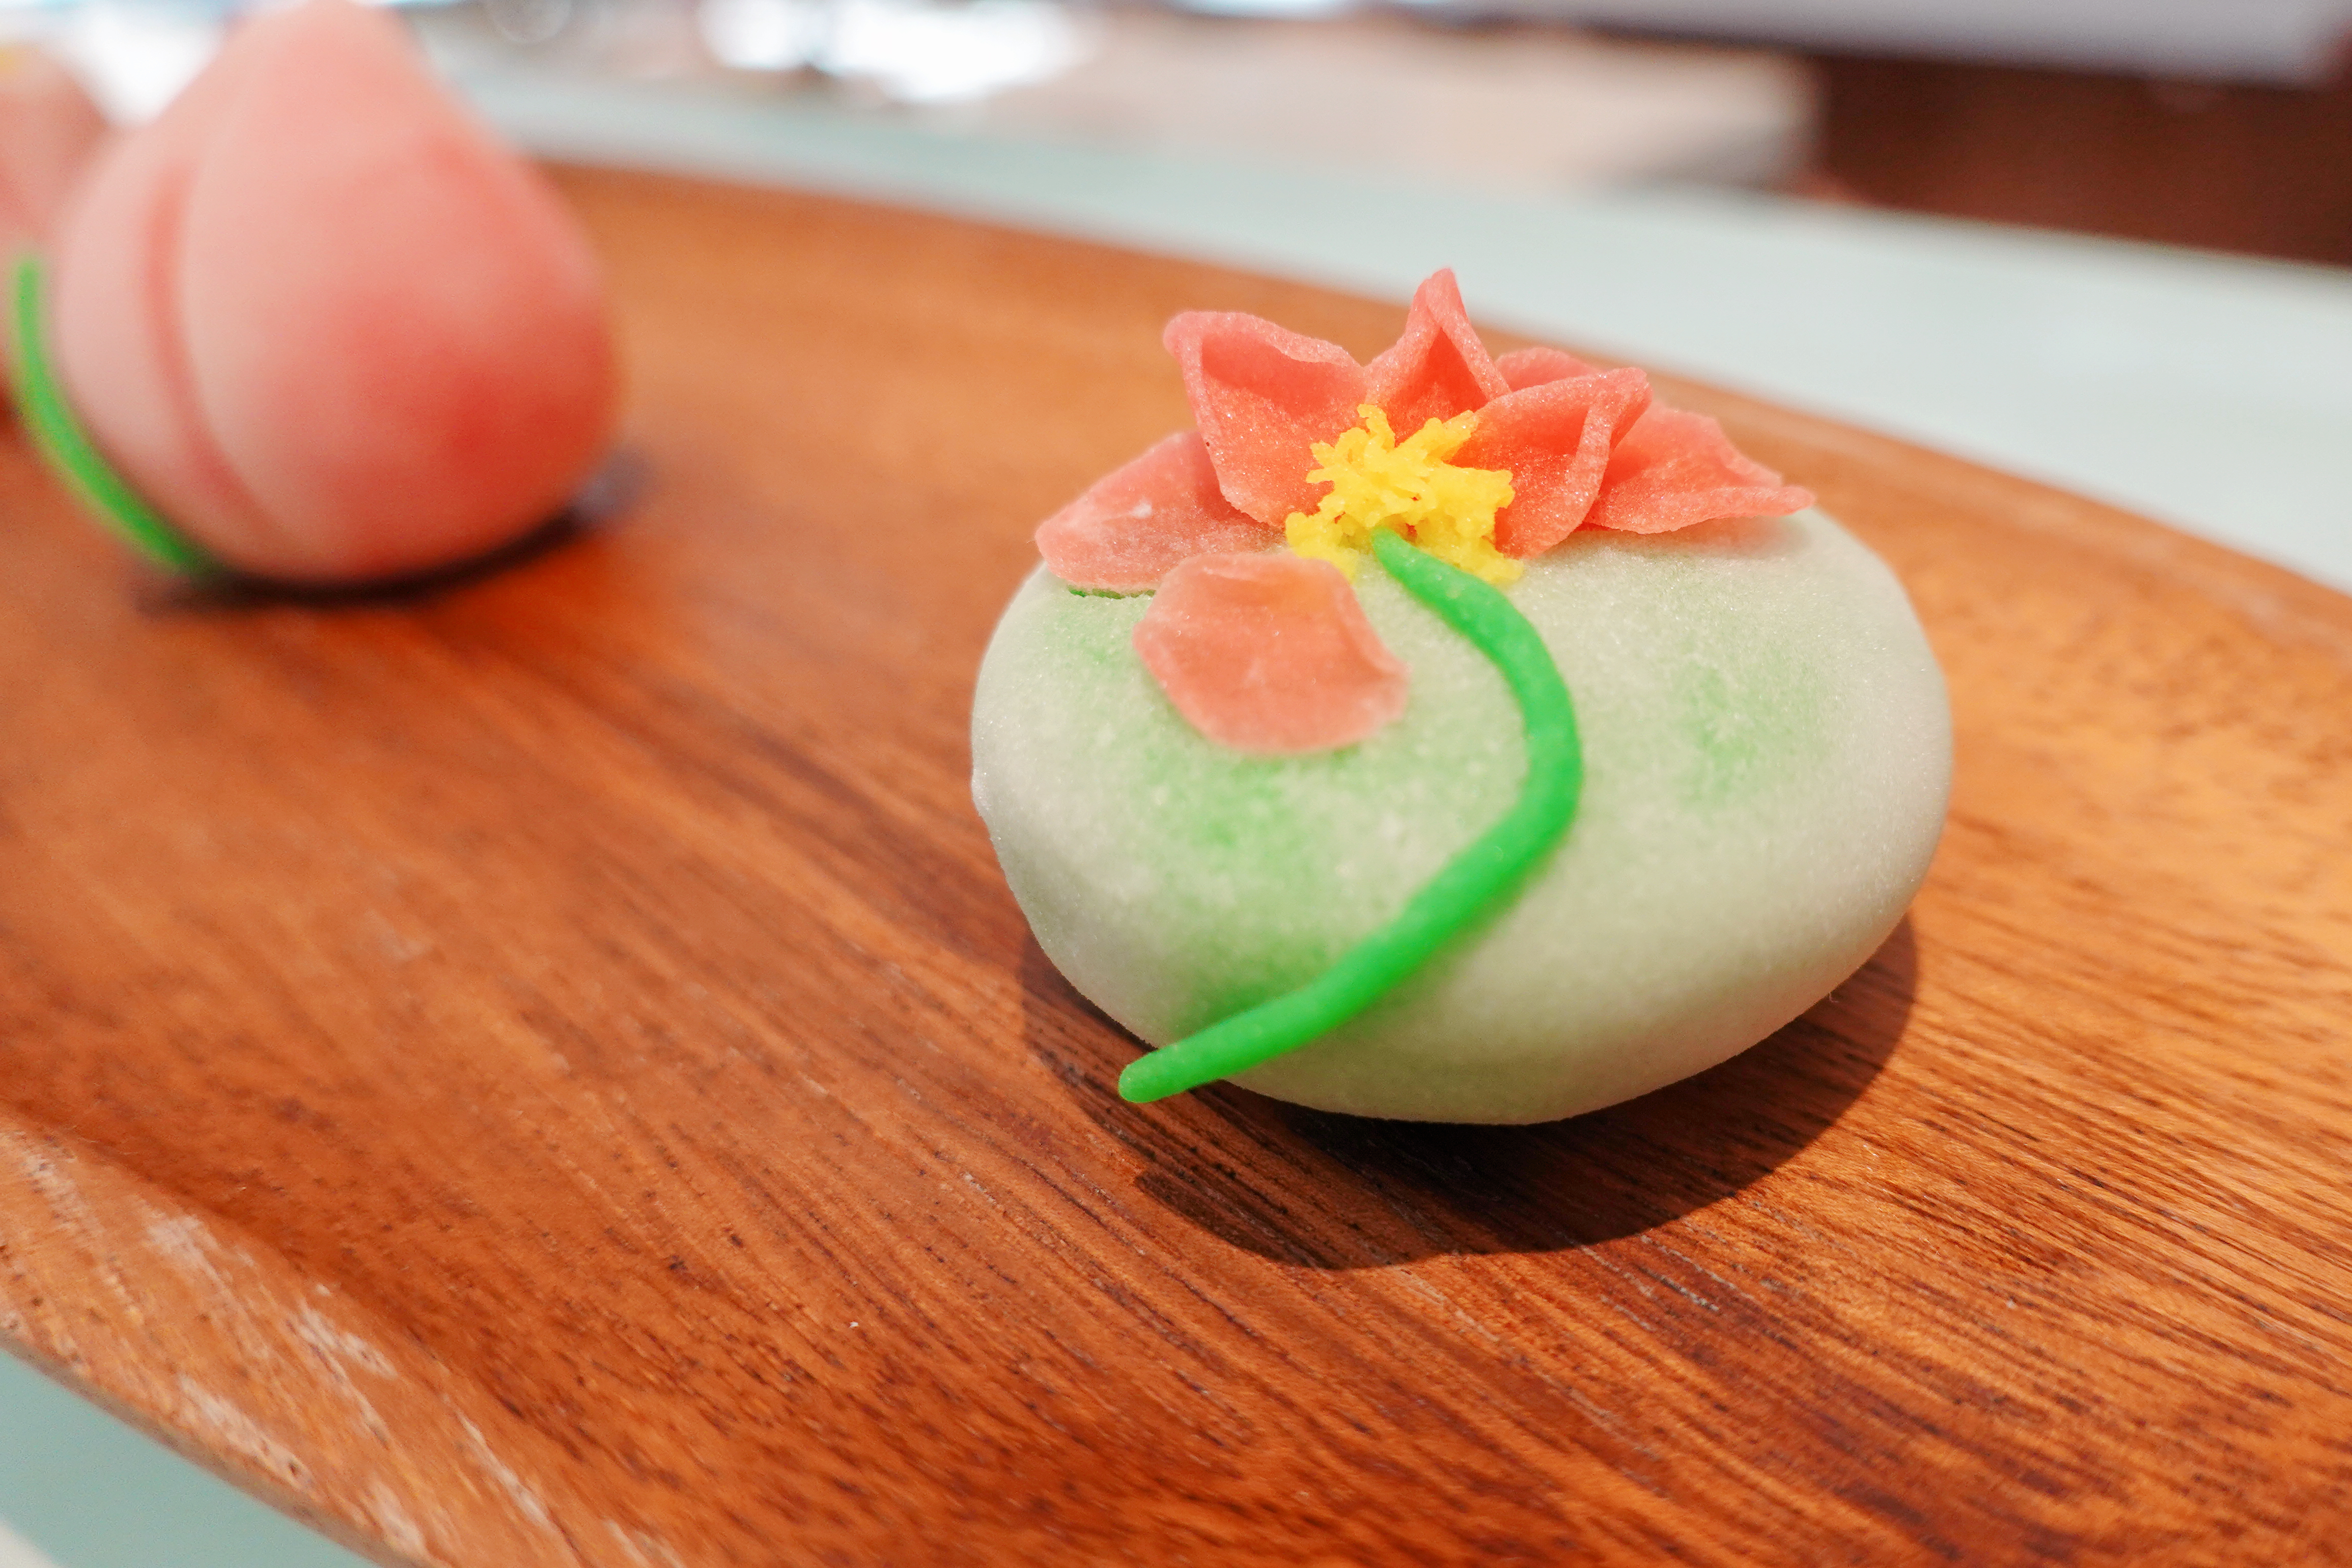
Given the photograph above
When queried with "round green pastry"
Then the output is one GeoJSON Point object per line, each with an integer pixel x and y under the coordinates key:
{"type": "Point", "coordinates": [1766, 760]}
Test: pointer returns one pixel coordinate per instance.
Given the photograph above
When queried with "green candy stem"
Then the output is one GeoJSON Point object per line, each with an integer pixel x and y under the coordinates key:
{"type": "Point", "coordinates": [70, 451]}
{"type": "Point", "coordinates": [1472, 884]}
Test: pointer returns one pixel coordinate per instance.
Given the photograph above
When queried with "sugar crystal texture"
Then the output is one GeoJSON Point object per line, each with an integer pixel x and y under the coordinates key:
{"type": "Point", "coordinates": [1767, 759]}
{"type": "Point", "coordinates": [1141, 520]}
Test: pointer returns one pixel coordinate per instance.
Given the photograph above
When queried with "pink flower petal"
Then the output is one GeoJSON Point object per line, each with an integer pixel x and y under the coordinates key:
{"type": "Point", "coordinates": [1270, 653]}
{"type": "Point", "coordinates": [1673, 470]}
{"type": "Point", "coordinates": [1555, 438]}
{"type": "Point", "coordinates": [1523, 368]}
{"type": "Point", "coordinates": [1438, 368]}
{"type": "Point", "coordinates": [1261, 396]}
{"type": "Point", "coordinates": [1138, 522]}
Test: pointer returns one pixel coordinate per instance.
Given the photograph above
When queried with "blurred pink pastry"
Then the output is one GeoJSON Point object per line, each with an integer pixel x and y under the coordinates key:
{"type": "Point", "coordinates": [322, 321]}
{"type": "Point", "coordinates": [48, 129]}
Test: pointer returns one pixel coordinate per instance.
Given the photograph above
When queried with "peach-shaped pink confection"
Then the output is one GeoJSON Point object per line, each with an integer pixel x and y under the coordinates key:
{"type": "Point", "coordinates": [48, 129]}
{"type": "Point", "coordinates": [1675, 469]}
{"type": "Point", "coordinates": [323, 320]}
{"type": "Point", "coordinates": [1555, 438]}
{"type": "Point", "coordinates": [1262, 395]}
{"type": "Point", "coordinates": [1270, 653]}
{"type": "Point", "coordinates": [1138, 522]}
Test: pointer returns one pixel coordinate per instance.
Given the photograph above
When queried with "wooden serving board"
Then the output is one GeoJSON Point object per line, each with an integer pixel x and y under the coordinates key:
{"type": "Point", "coordinates": [543, 1069]}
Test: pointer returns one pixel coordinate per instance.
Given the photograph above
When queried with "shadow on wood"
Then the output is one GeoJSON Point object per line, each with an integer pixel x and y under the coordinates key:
{"type": "Point", "coordinates": [1268, 1177]}
{"type": "Point", "coordinates": [599, 503]}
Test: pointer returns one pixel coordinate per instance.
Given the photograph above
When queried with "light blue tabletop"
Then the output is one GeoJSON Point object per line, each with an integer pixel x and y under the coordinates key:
{"type": "Point", "coordinates": [2210, 393]}
{"type": "Point", "coordinates": [79, 1489]}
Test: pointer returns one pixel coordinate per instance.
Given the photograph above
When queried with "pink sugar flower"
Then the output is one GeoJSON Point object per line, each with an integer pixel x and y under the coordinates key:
{"type": "Point", "coordinates": [1275, 655]}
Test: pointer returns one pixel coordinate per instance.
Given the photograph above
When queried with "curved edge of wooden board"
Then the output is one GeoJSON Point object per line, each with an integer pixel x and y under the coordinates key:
{"type": "Point", "coordinates": [185, 1288]}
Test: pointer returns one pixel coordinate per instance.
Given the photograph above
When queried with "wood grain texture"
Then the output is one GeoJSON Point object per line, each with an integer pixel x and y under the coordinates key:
{"type": "Point", "coordinates": [543, 1069]}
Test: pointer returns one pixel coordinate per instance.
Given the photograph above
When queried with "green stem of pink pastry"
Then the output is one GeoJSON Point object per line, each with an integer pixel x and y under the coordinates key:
{"type": "Point", "coordinates": [1474, 885]}
{"type": "Point", "coordinates": [70, 450]}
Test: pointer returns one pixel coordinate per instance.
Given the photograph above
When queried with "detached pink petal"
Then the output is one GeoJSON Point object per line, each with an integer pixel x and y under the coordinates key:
{"type": "Point", "coordinates": [1139, 522]}
{"type": "Point", "coordinates": [1270, 653]}
{"type": "Point", "coordinates": [1555, 438]}
{"type": "Point", "coordinates": [1438, 368]}
{"type": "Point", "coordinates": [1673, 470]}
{"type": "Point", "coordinates": [1262, 396]}
{"type": "Point", "coordinates": [1532, 367]}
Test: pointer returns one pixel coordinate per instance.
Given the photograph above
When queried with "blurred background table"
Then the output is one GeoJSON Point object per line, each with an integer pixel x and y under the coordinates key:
{"type": "Point", "coordinates": [2203, 390]}
{"type": "Point", "coordinates": [1770, 213]}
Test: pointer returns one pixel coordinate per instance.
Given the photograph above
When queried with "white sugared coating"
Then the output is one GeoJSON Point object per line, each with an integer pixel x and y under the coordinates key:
{"type": "Point", "coordinates": [1768, 755]}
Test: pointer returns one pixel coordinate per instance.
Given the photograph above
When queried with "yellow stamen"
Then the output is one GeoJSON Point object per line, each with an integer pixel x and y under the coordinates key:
{"type": "Point", "coordinates": [1378, 482]}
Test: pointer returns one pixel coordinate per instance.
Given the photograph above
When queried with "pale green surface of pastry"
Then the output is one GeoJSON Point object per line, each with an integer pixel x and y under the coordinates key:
{"type": "Point", "coordinates": [1767, 757]}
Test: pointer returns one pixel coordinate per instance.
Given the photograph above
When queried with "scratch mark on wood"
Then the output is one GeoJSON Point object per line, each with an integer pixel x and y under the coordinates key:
{"type": "Point", "coordinates": [512, 1484]}
{"type": "Point", "coordinates": [393, 1523]}
{"type": "Point", "coordinates": [240, 1433]}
